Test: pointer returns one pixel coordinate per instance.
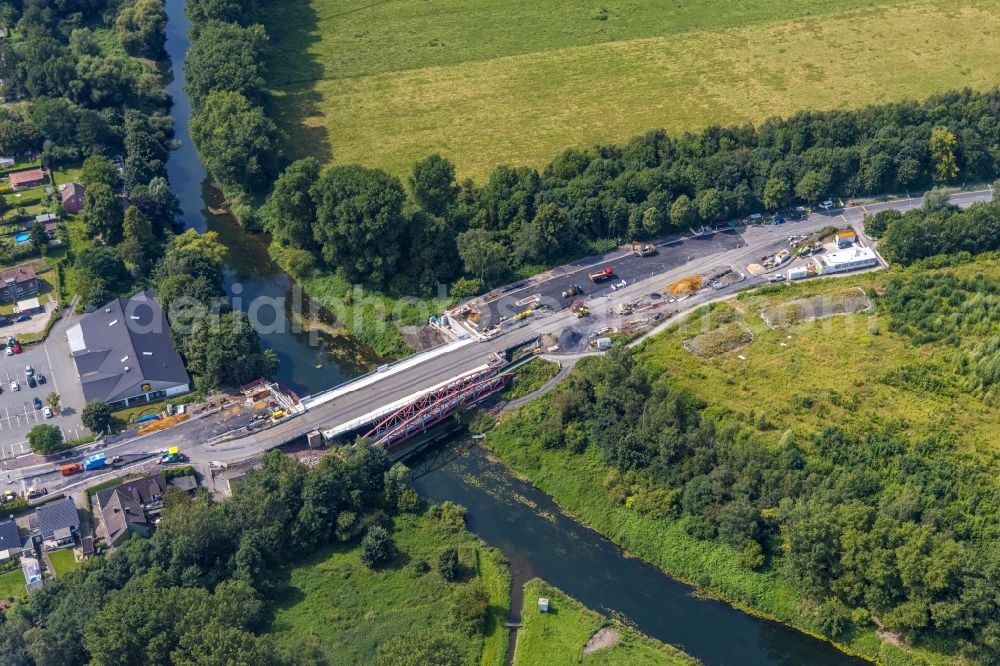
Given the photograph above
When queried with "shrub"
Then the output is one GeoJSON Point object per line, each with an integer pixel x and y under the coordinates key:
{"type": "Point", "coordinates": [377, 548]}
{"type": "Point", "coordinates": [471, 605]}
{"type": "Point", "coordinates": [45, 439]}
{"type": "Point", "coordinates": [448, 565]}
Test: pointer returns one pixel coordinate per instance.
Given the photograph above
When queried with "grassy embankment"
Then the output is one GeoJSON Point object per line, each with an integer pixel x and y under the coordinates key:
{"type": "Point", "coordinates": [333, 603]}
{"type": "Point", "coordinates": [810, 374]}
{"type": "Point", "coordinates": [493, 82]}
{"type": "Point", "coordinates": [530, 377]}
{"type": "Point", "coordinates": [559, 636]}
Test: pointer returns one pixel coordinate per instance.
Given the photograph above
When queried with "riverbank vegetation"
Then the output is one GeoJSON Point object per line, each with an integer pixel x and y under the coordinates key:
{"type": "Point", "coordinates": [336, 605]}
{"type": "Point", "coordinates": [214, 579]}
{"type": "Point", "coordinates": [497, 83]}
{"type": "Point", "coordinates": [853, 499]}
{"type": "Point", "coordinates": [87, 100]}
{"type": "Point", "coordinates": [559, 636]}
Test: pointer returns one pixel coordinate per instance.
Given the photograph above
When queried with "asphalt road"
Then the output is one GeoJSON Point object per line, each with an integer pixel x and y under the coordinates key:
{"type": "Point", "coordinates": [674, 261]}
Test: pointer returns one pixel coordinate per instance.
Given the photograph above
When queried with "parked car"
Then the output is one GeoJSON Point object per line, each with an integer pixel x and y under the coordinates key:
{"type": "Point", "coordinates": [31, 382]}
{"type": "Point", "coordinates": [22, 317]}
{"type": "Point", "coordinates": [40, 378]}
{"type": "Point", "coordinates": [10, 340]}
{"type": "Point", "coordinates": [36, 402]}
{"type": "Point", "coordinates": [14, 386]}
{"type": "Point", "coordinates": [4, 320]}
{"type": "Point", "coordinates": [778, 277]}
{"type": "Point", "coordinates": [8, 351]}
{"type": "Point", "coordinates": [17, 348]}
{"type": "Point", "coordinates": [48, 412]}
{"type": "Point", "coordinates": [28, 370]}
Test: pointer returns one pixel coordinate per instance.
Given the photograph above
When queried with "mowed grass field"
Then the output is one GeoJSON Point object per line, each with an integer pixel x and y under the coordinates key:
{"type": "Point", "coordinates": [486, 82]}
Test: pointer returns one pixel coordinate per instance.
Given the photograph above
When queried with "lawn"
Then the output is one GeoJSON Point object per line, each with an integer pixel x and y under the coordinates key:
{"type": "Point", "coordinates": [557, 638]}
{"type": "Point", "coordinates": [12, 584]}
{"type": "Point", "coordinates": [335, 604]}
{"type": "Point", "coordinates": [490, 82]}
{"type": "Point", "coordinates": [63, 561]}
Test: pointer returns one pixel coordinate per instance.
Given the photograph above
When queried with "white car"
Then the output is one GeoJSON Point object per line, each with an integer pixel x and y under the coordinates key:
{"type": "Point", "coordinates": [29, 371]}
{"type": "Point", "coordinates": [9, 351]}
{"type": "Point", "coordinates": [48, 412]}
{"type": "Point", "coordinates": [14, 386]}
{"type": "Point", "coordinates": [620, 285]}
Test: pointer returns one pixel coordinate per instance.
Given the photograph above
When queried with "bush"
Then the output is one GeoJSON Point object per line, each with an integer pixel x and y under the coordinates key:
{"type": "Point", "coordinates": [471, 604]}
{"type": "Point", "coordinates": [448, 565]}
{"type": "Point", "coordinates": [449, 514]}
{"type": "Point", "coordinates": [466, 287]}
{"type": "Point", "coordinates": [45, 439]}
{"type": "Point", "coordinates": [377, 548]}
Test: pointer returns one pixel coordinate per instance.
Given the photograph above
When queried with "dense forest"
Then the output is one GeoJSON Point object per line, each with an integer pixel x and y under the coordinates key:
{"type": "Point", "coordinates": [874, 524]}
{"type": "Point", "coordinates": [82, 94]}
{"type": "Point", "coordinates": [198, 591]}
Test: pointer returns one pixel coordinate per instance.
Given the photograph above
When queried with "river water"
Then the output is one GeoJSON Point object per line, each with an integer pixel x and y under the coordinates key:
{"type": "Point", "coordinates": [537, 538]}
{"type": "Point", "coordinates": [540, 540]}
{"type": "Point", "coordinates": [309, 363]}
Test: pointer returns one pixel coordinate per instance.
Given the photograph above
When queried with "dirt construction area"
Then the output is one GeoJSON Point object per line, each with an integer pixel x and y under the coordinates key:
{"type": "Point", "coordinates": [846, 301]}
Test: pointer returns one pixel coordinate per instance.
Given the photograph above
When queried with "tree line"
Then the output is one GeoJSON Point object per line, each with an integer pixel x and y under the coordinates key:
{"type": "Point", "coordinates": [198, 591]}
{"type": "Point", "coordinates": [85, 103]}
{"type": "Point", "coordinates": [351, 218]}
{"type": "Point", "coordinates": [936, 228]}
{"type": "Point", "coordinates": [875, 525]}
{"type": "Point", "coordinates": [374, 229]}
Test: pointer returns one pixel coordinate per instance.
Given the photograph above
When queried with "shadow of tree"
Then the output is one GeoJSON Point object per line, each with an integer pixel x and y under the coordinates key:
{"type": "Point", "coordinates": [292, 73]}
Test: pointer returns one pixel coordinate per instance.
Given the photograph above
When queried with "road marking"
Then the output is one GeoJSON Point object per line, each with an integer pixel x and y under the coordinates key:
{"type": "Point", "coordinates": [48, 360]}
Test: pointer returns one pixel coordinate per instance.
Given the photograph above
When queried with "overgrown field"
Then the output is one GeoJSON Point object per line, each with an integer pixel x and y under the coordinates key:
{"type": "Point", "coordinates": [558, 637]}
{"type": "Point", "coordinates": [799, 479]}
{"type": "Point", "coordinates": [340, 608]}
{"type": "Point", "coordinates": [492, 82]}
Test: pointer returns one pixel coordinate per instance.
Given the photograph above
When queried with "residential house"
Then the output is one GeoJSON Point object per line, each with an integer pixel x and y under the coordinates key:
{"type": "Point", "coordinates": [72, 197]}
{"type": "Point", "coordinates": [121, 517]}
{"type": "Point", "coordinates": [123, 508]}
{"type": "Point", "coordinates": [23, 180]}
{"type": "Point", "coordinates": [58, 524]}
{"type": "Point", "coordinates": [18, 282]}
{"type": "Point", "coordinates": [10, 540]}
{"type": "Point", "coordinates": [124, 353]}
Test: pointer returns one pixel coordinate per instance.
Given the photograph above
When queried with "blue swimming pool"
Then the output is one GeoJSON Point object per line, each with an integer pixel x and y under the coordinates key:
{"type": "Point", "coordinates": [21, 237]}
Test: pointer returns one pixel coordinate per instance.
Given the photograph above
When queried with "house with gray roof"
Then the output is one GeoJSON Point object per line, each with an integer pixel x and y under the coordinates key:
{"type": "Point", "coordinates": [58, 524]}
{"type": "Point", "coordinates": [123, 507]}
{"type": "Point", "coordinates": [124, 353]}
{"type": "Point", "coordinates": [10, 540]}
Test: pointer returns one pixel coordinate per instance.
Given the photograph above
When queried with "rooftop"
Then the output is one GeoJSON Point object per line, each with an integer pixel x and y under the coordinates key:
{"type": "Point", "coordinates": [18, 274]}
{"type": "Point", "coordinates": [123, 344]}
{"type": "Point", "coordinates": [56, 516]}
{"type": "Point", "coordinates": [844, 256]}
{"type": "Point", "coordinates": [10, 538]}
{"type": "Point", "coordinates": [143, 490]}
{"type": "Point", "coordinates": [29, 176]}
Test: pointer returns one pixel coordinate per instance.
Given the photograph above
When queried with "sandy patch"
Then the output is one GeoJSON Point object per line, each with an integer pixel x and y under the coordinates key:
{"type": "Point", "coordinates": [602, 639]}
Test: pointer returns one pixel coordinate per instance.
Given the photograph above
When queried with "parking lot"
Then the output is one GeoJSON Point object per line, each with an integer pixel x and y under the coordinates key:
{"type": "Point", "coordinates": [18, 414]}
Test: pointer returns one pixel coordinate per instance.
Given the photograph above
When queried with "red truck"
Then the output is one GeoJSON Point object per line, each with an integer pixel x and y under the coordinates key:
{"type": "Point", "coordinates": [605, 273]}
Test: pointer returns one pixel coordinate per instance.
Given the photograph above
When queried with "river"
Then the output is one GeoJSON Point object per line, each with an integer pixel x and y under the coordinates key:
{"type": "Point", "coordinates": [537, 538]}
{"type": "Point", "coordinates": [540, 540]}
{"type": "Point", "coordinates": [309, 363]}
